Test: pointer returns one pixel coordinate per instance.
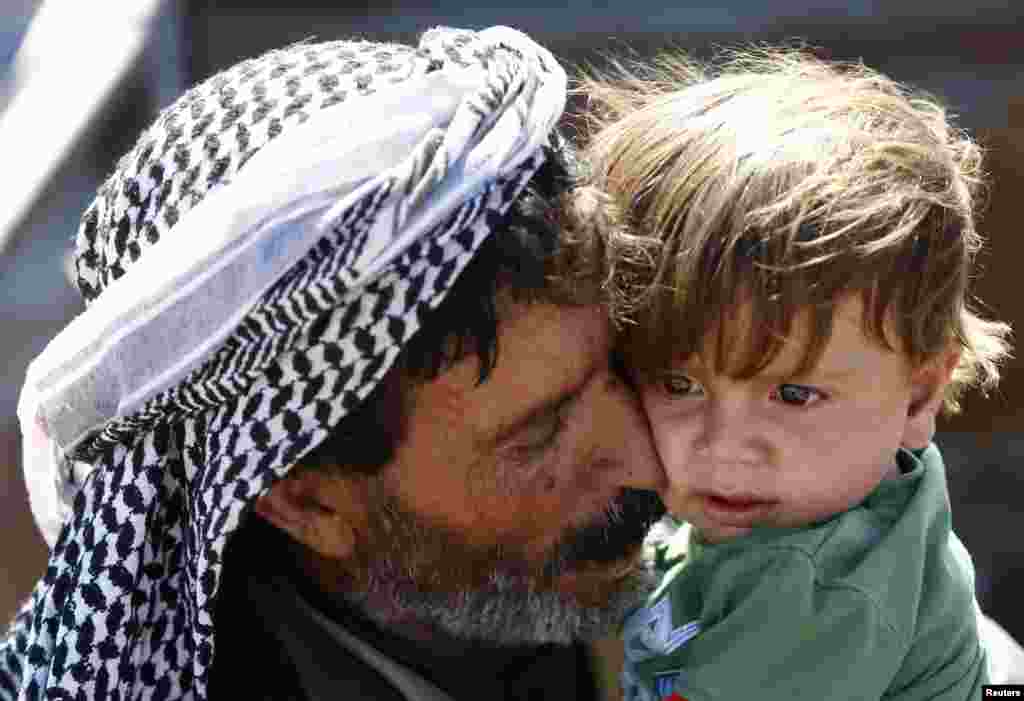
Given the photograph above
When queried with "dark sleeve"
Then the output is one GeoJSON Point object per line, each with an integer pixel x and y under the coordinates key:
{"type": "Point", "coordinates": [250, 662]}
{"type": "Point", "coordinates": [556, 673]}
{"type": "Point", "coordinates": [250, 659]}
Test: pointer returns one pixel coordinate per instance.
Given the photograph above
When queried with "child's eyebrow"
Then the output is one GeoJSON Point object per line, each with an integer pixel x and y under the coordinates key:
{"type": "Point", "coordinates": [694, 363]}
{"type": "Point", "coordinates": [816, 374]}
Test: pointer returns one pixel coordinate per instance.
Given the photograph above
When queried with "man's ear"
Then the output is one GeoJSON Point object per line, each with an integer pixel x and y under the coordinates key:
{"type": "Point", "coordinates": [928, 390]}
{"type": "Point", "coordinates": [314, 508]}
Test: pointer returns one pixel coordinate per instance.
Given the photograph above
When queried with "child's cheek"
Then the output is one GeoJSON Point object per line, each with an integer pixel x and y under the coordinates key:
{"type": "Point", "coordinates": [668, 445]}
{"type": "Point", "coordinates": [666, 434]}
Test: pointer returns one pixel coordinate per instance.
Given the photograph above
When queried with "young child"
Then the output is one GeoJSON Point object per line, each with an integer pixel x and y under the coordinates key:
{"type": "Point", "coordinates": [794, 255]}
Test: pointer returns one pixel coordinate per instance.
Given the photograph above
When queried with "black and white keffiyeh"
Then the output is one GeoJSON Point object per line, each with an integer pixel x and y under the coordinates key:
{"type": "Point", "coordinates": [304, 210]}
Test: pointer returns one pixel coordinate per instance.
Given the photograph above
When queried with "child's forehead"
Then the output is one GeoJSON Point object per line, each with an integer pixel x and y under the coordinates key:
{"type": "Point", "coordinates": [735, 344]}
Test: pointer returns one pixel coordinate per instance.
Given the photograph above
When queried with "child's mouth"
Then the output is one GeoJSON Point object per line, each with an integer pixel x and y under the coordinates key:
{"type": "Point", "coordinates": [736, 511]}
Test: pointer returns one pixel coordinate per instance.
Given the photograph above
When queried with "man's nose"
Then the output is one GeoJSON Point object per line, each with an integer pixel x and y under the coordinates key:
{"type": "Point", "coordinates": [624, 440]}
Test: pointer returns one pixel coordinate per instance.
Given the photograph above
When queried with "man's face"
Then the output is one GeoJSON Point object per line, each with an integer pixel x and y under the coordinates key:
{"type": "Point", "coordinates": [510, 513]}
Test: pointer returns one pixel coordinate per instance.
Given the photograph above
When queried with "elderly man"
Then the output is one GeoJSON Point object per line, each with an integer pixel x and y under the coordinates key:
{"type": "Point", "coordinates": [341, 418]}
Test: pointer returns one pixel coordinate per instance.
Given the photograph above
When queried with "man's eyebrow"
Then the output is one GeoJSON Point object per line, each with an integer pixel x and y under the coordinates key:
{"type": "Point", "coordinates": [543, 413]}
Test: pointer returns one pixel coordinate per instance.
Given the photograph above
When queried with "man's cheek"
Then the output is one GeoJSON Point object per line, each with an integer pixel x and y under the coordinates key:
{"type": "Point", "coordinates": [527, 474]}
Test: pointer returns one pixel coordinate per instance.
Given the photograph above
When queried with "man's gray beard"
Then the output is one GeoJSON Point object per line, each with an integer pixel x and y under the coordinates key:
{"type": "Point", "coordinates": [506, 613]}
{"type": "Point", "coordinates": [413, 571]}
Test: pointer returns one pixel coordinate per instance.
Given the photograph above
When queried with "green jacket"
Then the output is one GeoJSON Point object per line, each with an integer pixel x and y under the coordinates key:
{"type": "Point", "coordinates": [874, 603]}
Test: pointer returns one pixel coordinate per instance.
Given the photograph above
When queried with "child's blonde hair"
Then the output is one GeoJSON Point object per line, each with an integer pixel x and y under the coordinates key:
{"type": "Point", "coordinates": [790, 182]}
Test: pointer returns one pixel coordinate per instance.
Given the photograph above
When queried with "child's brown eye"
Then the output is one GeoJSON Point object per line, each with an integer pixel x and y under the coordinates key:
{"type": "Point", "coordinates": [798, 395]}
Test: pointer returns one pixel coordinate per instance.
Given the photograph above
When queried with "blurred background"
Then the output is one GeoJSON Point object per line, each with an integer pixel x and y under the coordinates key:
{"type": "Point", "coordinates": [79, 81]}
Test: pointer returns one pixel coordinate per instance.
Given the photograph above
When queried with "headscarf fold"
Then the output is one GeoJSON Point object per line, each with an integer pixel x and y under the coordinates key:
{"type": "Point", "coordinates": [251, 269]}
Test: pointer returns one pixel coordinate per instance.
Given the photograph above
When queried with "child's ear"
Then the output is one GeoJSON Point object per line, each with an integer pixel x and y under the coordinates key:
{"type": "Point", "coordinates": [928, 391]}
{"type": "Point", "coordinates": [315, 509]}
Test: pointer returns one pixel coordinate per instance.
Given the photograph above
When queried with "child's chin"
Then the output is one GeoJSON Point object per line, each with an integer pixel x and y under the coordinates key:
{"type": "Point", "coordinates": [722, 534]}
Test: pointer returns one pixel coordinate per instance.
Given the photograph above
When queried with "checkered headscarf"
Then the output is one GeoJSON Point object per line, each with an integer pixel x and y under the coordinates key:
{"type": "Point", "coordinates": [322, 198]}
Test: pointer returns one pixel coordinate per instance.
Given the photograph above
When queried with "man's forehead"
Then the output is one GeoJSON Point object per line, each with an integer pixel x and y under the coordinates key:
{"type": "Point", "coordinates": [544, 352]}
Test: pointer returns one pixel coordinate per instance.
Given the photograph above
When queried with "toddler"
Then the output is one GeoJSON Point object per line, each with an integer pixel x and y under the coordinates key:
{"type": "Point", "coordinates": [793, 246]}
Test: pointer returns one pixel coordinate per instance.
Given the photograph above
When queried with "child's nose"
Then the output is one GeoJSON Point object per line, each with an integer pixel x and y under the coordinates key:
{"type": "Point", "coordinates": [728, 432]}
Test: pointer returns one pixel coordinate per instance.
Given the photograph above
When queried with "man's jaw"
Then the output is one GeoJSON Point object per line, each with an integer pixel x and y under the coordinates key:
{"type": "Point", "coordinates": [584, 603]}
{"type": "Point", "coordinates": [589, 581]}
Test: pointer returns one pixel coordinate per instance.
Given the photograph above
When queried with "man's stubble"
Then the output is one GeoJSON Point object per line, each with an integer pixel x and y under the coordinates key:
{"type": "Point", "coordinates": [410, 571]}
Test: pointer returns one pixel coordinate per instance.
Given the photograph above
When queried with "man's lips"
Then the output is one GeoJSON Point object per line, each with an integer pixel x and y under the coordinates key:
{"type": "Point", "coordinates": [738, 511]}
{"type": "Point", "coordinates": [610, 538]}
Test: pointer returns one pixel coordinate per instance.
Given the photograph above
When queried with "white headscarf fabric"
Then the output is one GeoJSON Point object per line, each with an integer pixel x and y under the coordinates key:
{"type": "Point", "coordinates": [305, 210]}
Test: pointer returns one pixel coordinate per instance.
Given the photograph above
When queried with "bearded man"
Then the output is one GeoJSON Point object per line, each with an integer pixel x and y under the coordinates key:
{"type": "Point", "coordinates": [342, 417]}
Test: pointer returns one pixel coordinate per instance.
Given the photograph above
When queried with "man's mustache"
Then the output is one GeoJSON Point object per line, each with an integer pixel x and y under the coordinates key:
{"type": "Point", "coordinates": [620, 530]}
